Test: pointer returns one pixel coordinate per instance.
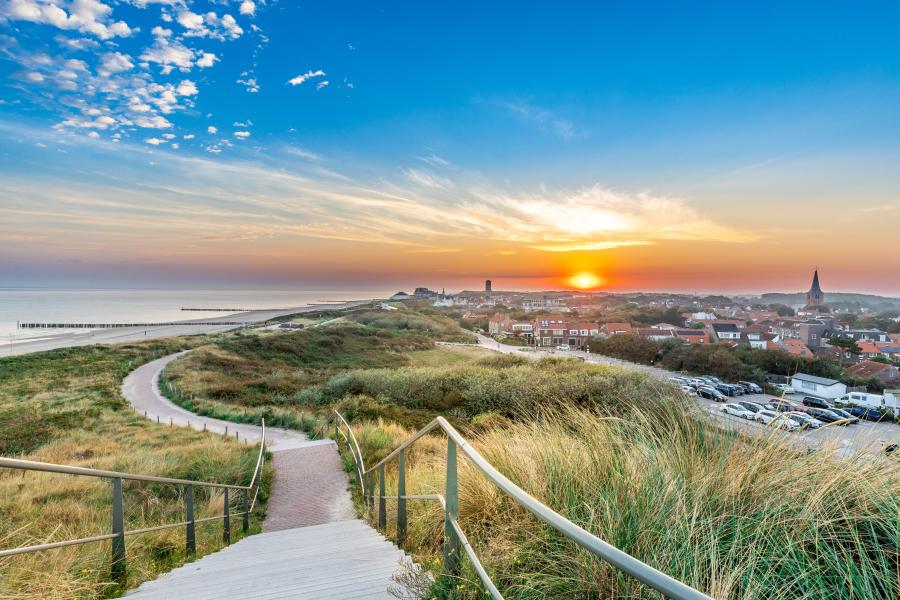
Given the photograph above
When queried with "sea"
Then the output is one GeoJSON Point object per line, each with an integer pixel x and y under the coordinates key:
{"type": "Point", "coordinates": [30, 305]}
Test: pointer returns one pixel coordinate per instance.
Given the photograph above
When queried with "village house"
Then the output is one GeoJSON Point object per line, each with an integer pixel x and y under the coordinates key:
{"type": "Point", "coordinates": [499, 324]}
{"type": "Point", "coordinates": [557, 331]}
{"type": "Point", "coordinates": [887, 375]}
{"type": "Point", "coordinates": [616, 328]}
{"type": "Point", "coordinates": [725, 332]}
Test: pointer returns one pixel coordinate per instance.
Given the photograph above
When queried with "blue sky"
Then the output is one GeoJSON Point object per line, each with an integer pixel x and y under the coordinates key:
{"type": "Point", "coordinates": [277, 123]}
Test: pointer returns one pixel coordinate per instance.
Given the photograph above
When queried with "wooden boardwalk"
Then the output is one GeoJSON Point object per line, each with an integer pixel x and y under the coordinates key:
{"type": "Point", "coordinates": [340, 560]}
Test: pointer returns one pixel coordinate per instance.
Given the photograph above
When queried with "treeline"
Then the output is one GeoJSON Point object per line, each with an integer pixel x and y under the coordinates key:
{"type": "Point", "coordinates": [728, 363]}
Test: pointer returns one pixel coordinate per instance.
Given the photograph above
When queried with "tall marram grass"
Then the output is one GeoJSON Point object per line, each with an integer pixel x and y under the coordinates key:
{"type": "Point", "coordinates": [64, 407]}
{"type": "Point", "coordinates": [734, 516]}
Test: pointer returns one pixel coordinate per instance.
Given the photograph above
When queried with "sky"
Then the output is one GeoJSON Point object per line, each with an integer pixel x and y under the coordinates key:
{"type": "Point", "coordinates": [692, 146]}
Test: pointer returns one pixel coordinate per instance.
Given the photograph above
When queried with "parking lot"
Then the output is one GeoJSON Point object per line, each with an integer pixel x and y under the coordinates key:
{"type": "Point", "coordinates": [864, 436]}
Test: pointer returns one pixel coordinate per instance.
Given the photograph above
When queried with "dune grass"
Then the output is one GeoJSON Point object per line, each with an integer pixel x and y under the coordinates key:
{"type": "Point", "coordinates": [64, 407]}
{"type": "Point", "coordinates": [733, 516]}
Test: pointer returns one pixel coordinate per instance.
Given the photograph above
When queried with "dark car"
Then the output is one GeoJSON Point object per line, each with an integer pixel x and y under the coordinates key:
{"type": "Point", "coordinates": [815, 402]}
{"type": "Point", "coordinates": [705, 391]}
{"type": "Point", "coordinates": [751, 387]}
{"type": "Point", "coordinates": [824, 415]}
{"type": "Point", "coordinates": [869, 414]}
{"type": "Point", "coordinates": [727, 389]}
{"type": "Point", "coordinates": [844, 414]}
{"type": "Point", "coordinates": [751, 406]}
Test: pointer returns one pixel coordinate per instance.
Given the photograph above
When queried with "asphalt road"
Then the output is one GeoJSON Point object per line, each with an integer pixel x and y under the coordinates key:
{"type": "Point", "coordinates": [51, 341]}
{"type": "Point", "coordinates": [864, 436]}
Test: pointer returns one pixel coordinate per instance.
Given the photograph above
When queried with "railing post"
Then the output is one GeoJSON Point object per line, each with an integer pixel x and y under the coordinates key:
{"type": "Point", "coordinates": [370, 491]}
{"type": "Point", "coordinates": [226, 527]}
{"type": "Point", "coordinates": [382, 516]}
{"type": "Point", "coordinates": [451, 542]}
{"type": "Point", "coordinates": [190, 535]}
{"type": "Point", "coordinates": [401, 501]}
{"type": "Point", "coordinates": [119, 571]}
{"type": "Point", "coordinates": [245, 526]}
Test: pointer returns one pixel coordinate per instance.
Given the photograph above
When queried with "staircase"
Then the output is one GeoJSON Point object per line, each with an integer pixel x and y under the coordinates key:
{"type": "Point", "coordinates": [339, 560]}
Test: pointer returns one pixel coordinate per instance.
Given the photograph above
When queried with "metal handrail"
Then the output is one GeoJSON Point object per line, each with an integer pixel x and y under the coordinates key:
{"type": "Point", "coordinates": [119, 531]}
{"type": "Point", "coordinates": [455, 540]}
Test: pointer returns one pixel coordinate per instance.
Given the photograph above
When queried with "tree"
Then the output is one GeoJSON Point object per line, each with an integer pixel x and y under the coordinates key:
{"type": "Point", "coordinates": [783, 310]}
{"type": "Point", "coordinates": [847, 343]}
{"type": "Point", "coordinates": [627, 347]}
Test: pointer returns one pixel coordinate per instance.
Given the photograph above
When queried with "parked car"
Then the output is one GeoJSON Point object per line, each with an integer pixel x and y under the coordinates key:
{"type": "Point", "coordinates": [843, 413]}
{"type": "Point", "coordinates": [688, 390]}
{"type": "Point", "coordinates": [727, 389]}
{"type": "Point", "coordinates": [782, 405]}
{"type": "Point", "coordinates": [772, 418]}
{"type": "Point", "coordinates": [753, 406]}
{"type": "Point", "coordinates": [562, 347]}
{"type": "Point", "coordinates": [869, 414]}
{"type": "Point", "coordinates": [825, 415]}
{"type": "Point", "coordinates": [751, 387]}
{"type": "Point", "coordinates": [733, 408]}
{"type": "Point", "coordinates": [711, 379]}
{"type": "Point", "coordinates": [804, 420]}
{"type": "Point", "coordinates": [815, 402]}
{"type": "Point", "coordinates": [705, 391]}
{"type": "Point", "coordinates": [696, 382]}
{"type": "Point", "coordinates": [783, 388]}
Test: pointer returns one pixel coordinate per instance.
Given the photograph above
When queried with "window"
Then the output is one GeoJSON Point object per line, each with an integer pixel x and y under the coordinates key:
{"type": "Point", "coordinates": [808, 385]}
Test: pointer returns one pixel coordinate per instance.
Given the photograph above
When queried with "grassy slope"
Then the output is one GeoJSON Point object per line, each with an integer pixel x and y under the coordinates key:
{"type": "Point", "coordinates": [619, 454]}
{"type": "Point", "coordinates": [64, 407]}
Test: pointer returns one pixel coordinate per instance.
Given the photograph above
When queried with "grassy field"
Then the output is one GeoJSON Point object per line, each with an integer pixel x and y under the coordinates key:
{"type": "Point", "coordinates": [619, 453]}
{"type": "Point", "coordinates": [64, 407]}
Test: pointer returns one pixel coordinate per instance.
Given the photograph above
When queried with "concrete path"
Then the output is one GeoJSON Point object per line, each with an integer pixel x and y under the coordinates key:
{"type": "Point", "coordinates": [310, 485]}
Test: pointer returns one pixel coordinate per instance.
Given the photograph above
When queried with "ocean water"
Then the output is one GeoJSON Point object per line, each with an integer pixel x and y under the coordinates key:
{"type": "Point", "coordinates": [129, 306]}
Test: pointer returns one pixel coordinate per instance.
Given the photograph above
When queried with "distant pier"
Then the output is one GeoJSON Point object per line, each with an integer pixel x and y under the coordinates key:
{"type": "Point", "coordinates": [116, 325]}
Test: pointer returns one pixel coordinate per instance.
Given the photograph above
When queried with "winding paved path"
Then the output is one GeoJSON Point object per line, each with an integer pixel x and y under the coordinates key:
{"type": "Point", "coordinates": [310, 486]}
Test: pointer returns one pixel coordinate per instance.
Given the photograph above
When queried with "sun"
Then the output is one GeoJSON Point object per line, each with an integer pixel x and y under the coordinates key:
{"type": "Point", "coordinates": [585, 281]}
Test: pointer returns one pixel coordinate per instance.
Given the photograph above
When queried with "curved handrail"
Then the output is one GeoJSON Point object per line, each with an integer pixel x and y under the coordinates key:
{"type": "Point", "coordinates": [357, 455]}
{"type": "Point", "coordinates": [670, 587]}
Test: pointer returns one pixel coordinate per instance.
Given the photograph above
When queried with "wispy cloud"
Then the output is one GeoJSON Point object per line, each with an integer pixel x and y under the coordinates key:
{"type": "Point", "coordinates": [544, 119]}
{"type": "Point", "coordinates": [197, 199]}
{"type": "Point", "coordinates": [303, 78]}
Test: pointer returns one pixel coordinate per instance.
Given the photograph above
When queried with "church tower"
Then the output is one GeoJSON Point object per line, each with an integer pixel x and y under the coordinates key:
{"type": "Point", "coordinates": [815, 296]}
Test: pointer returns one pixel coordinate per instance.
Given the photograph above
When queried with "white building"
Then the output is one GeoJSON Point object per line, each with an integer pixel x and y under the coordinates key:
{"type": "Point", "coordinates": [820, 387]}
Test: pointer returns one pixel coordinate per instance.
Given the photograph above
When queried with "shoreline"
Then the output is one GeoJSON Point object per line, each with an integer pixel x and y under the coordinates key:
{"type": "Point", "coordinates": [115, 335]}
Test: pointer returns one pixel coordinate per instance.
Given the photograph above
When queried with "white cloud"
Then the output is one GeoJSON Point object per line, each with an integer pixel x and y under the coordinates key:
{"type": "Point", "coordinates": [169, 136]}
{"type": "Point", "coordinates": [299, 79]}
{"type": "Point", "coordinates": [186, 88]}
{"type": "Point", "coordinates": [190, 20]}
{"type": "Point", "coordinates": [93, 135]}
{"type": "Point", "coordinates": [248, 8]}
{"type": "Point", "coordinates": [321, 85]}
{"type": "Point", "coordinates": [206, 60]}
{"type": "Point", "coordinates": [154, 141]}
{"type": "Point", "coordinates": [212, 130]}
{"type": "Point", "coordinates": [115, 62]}
{"type": "Point", "coordinates": [250, 84]}
{"type": "Point", "coordinates": [242, 134]}
{"type": "Point", "coordinates": [175, 146]}
{"type": "Point", "coordinates": [86, 16]}
{"type": "Point", "coordinates": [34, 77]}
{"type": "Point", "coordinates": [154, 122]}
{"type": "Point", "coordinates": [189, 136]}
